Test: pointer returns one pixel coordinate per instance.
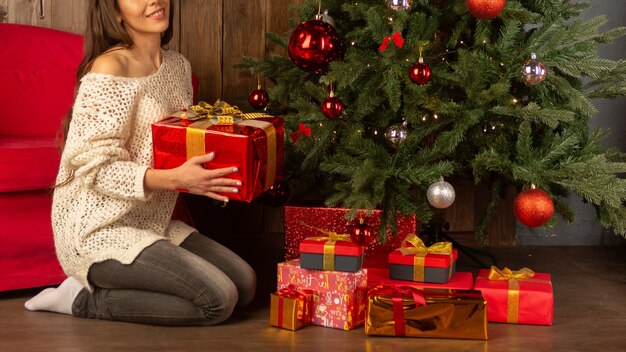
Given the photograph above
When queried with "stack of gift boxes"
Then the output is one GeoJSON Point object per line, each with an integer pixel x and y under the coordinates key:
{"type": "Point", "coordinates": [397, 288]}
{"type": "Point", "coordinates": [416, 293]}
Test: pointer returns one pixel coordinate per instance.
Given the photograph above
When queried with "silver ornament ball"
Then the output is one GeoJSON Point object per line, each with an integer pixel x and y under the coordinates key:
{"type": "Point", "coordinates": [396, 134]}
{"type": "Point", "coordinates": [399, 4]}
{"type": "Point", "coordinates": [533, 71]}
{"type": "Point", "coordinates": [441, 194]}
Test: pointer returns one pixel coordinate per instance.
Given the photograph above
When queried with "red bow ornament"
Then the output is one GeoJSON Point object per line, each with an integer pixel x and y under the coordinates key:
{"type": "Point", "coordinates": [396, 38]}
{"type": "Point", "coordinates": [302, 129]}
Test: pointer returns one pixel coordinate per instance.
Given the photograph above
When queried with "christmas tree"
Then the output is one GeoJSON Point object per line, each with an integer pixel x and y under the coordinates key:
{"type": "Point", "coordinates": [492, 90]}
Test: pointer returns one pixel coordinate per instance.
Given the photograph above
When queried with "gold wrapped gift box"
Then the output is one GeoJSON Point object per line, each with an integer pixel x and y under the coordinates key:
{"type": "Point", "coordinates": [447, 314]}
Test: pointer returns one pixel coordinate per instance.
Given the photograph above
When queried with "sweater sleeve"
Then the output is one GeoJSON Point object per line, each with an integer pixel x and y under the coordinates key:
{"type": "Point", "coordinates": [100, 129]}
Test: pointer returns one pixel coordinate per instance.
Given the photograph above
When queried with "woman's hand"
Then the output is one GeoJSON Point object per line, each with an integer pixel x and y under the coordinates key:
{"type": "Point", "coordinates": [193, 177]}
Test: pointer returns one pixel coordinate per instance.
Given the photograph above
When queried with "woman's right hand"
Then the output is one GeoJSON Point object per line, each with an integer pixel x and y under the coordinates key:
{"type": "Point", "coordinates": [194, 178]}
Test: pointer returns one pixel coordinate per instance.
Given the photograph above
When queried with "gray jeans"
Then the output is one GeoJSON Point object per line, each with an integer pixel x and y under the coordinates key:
{"type": "Point", "coordinates": [198, 283]}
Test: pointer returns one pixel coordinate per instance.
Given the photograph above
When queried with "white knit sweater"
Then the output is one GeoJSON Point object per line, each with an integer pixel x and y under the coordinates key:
{"type": "Point", "coordinates": [104, 212]}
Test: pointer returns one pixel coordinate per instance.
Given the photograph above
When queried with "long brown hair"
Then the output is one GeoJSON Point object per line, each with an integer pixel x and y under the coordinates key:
{"type": "Point", "coordinates": [104, 32]}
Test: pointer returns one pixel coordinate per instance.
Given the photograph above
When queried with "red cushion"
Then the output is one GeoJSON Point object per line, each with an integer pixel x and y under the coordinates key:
{"type": "Point", "coordinates": [27, 163]}
{"type": "Point", "coordinates": [27, 255]}
{"type": "Point", "coordinates": [37, 74]}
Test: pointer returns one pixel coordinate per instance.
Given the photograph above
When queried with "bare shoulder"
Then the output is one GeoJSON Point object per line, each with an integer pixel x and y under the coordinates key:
{"type": "Point", "coordinates": [113, 62]}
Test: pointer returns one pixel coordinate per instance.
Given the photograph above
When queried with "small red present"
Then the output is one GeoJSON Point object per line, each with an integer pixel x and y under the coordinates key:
{"type": "Point", "coordinates": [251, 142]}
{"type": "Point", "coordinates": [376, 252]}
{"type": "Point", "coordinates": [333, 252]}
{"type": "Point", "coordinates": [290, 308]}
{"type": "Point", "coordinates": [517, 297]}
{"type": "Point", "coordinates": [414, 261]}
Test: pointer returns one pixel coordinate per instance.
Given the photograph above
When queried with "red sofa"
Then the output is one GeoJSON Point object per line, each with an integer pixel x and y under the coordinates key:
{"type": "Point", "coordinates": [37, 79]}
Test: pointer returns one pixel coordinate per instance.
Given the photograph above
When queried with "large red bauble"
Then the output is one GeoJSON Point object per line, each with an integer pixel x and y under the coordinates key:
{"type": "Point", "coordinates": [313, 45]}
{"type": "Point", "coordinates": [420, 73]}
{"type": "Point", "coordinates": [258, 99]}
{"type": "Point", "coordinates": [361, 233]}
{"type": "Point", "coordinates": [485, 9]}
{"type": "Point", "coordinates": [533, 207]}
{"type": "Point", "coordinates": [332, 107]}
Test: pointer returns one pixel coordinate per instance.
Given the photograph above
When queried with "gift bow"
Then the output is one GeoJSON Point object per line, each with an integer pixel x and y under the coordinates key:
{"type": "Point", "coordinates": [512, 308]}
{"type": "Point", "coordinates": [397, 294]}
{"type": "Point", "coordinates": [396, 38]}
{"type": "Point", "coordinates": [299, 295]}
{"type": "Point", "coordinates": [330, 239]}
{"type": "Point", "coordinates": [225, 114]}
{"type": "Point", "coordinates": [413, 245]}
{"type": "Point", "coordinates": [508, 274]}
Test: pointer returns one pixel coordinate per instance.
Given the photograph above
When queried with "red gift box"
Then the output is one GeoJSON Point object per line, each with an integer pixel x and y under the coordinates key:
{"type": "Point", "coordinates": [521, 297]}
{"type": "Point", "coordinates": [415, 261]}
{"type": "Point", "coordinates": [298, 222]}
{"type": "Point", "coordinates": [458, 281]}
{"type": "Point", "coordinates": [251, 142]}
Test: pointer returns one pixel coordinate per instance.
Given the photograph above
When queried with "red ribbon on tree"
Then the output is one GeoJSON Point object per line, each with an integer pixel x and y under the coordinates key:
{"type": "Point", "coordinates": [398, 293]}
{"type": "Point", "coordinates": [302, 129]}
{"type": "Point", "coordinates": [396, 38]}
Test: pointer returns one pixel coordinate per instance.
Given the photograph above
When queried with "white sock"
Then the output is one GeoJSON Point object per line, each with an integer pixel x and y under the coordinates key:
{"type": "Point", "coordinates": [58, 299]}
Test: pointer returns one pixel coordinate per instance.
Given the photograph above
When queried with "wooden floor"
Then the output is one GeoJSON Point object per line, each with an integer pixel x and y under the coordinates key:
{"type": "Point", "coordinates": [590, 315]}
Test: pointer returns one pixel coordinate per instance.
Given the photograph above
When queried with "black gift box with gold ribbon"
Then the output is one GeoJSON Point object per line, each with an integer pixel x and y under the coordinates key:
{"type": "Point", "coordinates": [332, 252]}
{"type": "Point", "coordinates": [414, 261]}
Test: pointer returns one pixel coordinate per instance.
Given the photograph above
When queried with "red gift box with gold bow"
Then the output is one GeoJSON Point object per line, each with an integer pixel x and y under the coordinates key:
{"type": "Point", "coordinates": [332, 252]}
{"type": "Point", "coordinates": [252, 142]}
{"type": "Point", "coordinates": [517, 297]}
{"type": "Point", "coordinates": [414, 261]}
{"type": "Point", "coordinates": [291, 308]}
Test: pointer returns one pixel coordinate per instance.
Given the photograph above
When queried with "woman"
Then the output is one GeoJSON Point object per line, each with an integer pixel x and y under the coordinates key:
{"type": "Point", "coordinates": [125, 259]}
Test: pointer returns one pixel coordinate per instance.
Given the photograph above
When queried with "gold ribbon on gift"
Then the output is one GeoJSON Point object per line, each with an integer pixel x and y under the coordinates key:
{"type": "Point", "coordinates": [414, 246]}
{"type": "Point", "coordinates": [512, 309]}
{"type": "Point", "coordinates": [330, 239]}
{"type": "Point", "coordinates": [223, 114]}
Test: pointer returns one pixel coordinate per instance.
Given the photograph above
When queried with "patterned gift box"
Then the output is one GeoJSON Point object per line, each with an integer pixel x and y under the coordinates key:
{"type": "Point", "coordinates": [517, 297]}
{"type": "Point", "coordinates": [333, 252]}
{"type": "Point", "coordinates": [290, 308]}
{"type": "Point", "coordinates": [375, 253]}
{"type": "Point", "coordinates": [413, 261]}
{"type": "Point", "coordinates": [340, 297]}
{"type": "Point", "coordinates": [406, 311]}
{"type": "Point", "coordinates": [254, 143]}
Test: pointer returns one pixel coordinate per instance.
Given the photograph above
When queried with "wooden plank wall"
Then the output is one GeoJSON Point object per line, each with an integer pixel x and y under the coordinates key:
{"type": "Point", "coordinates": [214, 35]}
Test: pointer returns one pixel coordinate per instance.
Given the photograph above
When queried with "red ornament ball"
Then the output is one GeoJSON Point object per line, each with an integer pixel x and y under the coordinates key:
{"type": "Point", "coordinates": [533, 207]}
{"type": "Point", "coordinates": [420, 73]}
{"type": "Point", "coordinates": [485, 9]}
{"type": "Point", "coordinates": [332, 107]}
{"type": "Point", "coordinates": [313, 45]}
{"type": "Point", "coordinates": [258, 99]}
{"type": "Point", "coordinates": [361, 233]}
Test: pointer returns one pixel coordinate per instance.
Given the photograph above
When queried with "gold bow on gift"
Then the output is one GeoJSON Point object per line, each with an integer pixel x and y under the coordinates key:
{"type": "Point", "coordinates": [414, 246]}
{"type": "Point", "coordinates": [330, 239]}
{"type": "Point", "coordinates": [512, 308]}
{"type": "Point", "coordinates": [205, 115]}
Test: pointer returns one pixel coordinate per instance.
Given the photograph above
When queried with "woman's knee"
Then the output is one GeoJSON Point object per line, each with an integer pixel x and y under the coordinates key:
{"type": "Point", "coordinates": [217, 303]}
{"type": "Point", "coordinates": [247, 285]}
